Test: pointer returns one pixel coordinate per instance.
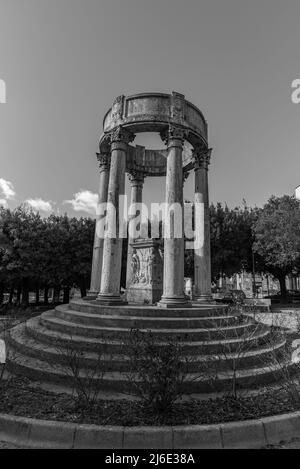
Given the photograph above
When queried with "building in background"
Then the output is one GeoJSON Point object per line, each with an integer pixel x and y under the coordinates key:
{"type": "Point", "coordinates": [297, 192]}
{"type": "Point", "coordinates": [264, 284]}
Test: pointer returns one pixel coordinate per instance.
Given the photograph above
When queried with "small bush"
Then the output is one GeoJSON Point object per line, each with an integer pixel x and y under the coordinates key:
{"type": "Point", "coordinates": [286, 370]}
{"type": "Point", "coordinates": [85, 379]}
{"type": "Point", "coordinates": [238, 298]}
{"type": "Point", "coordinates": [156, 372]}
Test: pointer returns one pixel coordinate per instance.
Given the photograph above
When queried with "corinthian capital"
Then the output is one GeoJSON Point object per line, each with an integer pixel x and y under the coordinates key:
{"type": "Point", "coordinates": [173, 132]}
{"type": "Point", "coordinates": [136, 177]}
{"type": "Point", "coordinates": [201, 156]}
{"type": "Point", "coordinates": [121, 135]}
{"type": "Point", "coordinates": [104, 161]}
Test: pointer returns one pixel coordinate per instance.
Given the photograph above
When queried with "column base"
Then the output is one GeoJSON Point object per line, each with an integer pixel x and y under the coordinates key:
{"type": "Point", "coordinates": [110, 300]}
{"type": "Point", "coordinates": [91, 295]}
{"type": "Point", "coordinates": [198, 299]}
{"type": "Point", "coordinates": [174, 302]}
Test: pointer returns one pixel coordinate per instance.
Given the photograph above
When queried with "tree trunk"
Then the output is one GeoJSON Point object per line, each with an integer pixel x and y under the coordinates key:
{"type": "Point", "coordinates": [11, 295]}
{"type": "Point", "coordinates": [56, 293]}
{"type": "Point", "coordinates": [19, 291]}
{"type": "Point", "coordinates": [25, 292]}
{"type": "Point", "coordinates": [1, 293]}
{"type": "Point", "coordinates": [283, 290]}
{"type": "Point", "coordinates": [66, 298]}
{"type": "Point", "coordinates": [83, 287]}
{"type": "Point", "coordinates": [46, 292]}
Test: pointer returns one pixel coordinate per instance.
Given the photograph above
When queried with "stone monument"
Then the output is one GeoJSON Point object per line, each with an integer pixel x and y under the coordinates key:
{"type": "Point", "coordinates": [103, 320]}
{"type": "Point", "coordinates": [177, 121]}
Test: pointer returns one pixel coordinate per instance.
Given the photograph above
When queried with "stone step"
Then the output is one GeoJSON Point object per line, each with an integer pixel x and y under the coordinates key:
{"type": "Point", "coordinates": [92, 307]}
{"type": "Point", "coordinates": [197, 334]}
{"type": "Point", "coordinates": [46, 336]}
{"type": "Point", "coordinates": [121, 382]}
{"type": "Point", "coordinates": [20, 341]}
{"type": "Point", "coordinates": [146, 322]}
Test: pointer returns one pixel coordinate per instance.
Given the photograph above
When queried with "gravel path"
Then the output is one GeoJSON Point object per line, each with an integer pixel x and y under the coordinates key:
{"type": "Point", "coordinates": [293, 444]}
{"type": "Point", "coordinates": [5, 445]}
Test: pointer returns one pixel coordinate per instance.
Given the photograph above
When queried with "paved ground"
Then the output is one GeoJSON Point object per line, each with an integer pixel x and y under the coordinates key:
{"type": "Point", "coordinates": [288, 319]}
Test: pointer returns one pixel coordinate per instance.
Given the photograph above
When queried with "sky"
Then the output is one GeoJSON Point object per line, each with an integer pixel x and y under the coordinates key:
{"type": "Point", "coordinates": [64, 61]}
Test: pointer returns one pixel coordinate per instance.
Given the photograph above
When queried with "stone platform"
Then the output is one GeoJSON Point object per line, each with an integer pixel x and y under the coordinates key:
{"type": "Point", "coordinates": [209, 335]}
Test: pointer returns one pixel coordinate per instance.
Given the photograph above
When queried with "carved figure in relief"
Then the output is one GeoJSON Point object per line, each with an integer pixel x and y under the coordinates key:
{"type": "Point", "coordinates": [135, 267]}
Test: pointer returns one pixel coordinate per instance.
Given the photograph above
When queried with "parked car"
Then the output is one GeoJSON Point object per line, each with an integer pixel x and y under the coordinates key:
{"type": "Point", "coordinates": [292, 296]}
{"type": "Point", "coordinates": [230, 296]}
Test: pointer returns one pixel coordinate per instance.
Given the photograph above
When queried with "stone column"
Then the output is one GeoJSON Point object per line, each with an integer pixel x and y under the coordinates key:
{"type": "Point", "coordinates": [173, 289]}
{"type": "Point", "coordinates": [136, 181]}
{"type": "Point", "coordinates": [112, 247]}
{"type": "Point", "coordinates": [104, 162]}
{"type": "Point", "coordinates": [202, 263]}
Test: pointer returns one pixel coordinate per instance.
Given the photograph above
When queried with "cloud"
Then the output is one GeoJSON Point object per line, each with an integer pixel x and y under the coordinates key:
{"type": "Point", "coordinates": [84, 201]}
{"type": "Point", "coordinates": [7, 189]}
{"type": "Point", "coordinates": [3, 203]}
{"type": "Point", "coordinates": [40, 205]}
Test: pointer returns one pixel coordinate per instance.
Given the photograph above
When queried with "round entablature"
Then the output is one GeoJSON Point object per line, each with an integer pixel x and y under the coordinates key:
{"type": "Point", "coordinates": [152, 112]}
{"type": "Point", "coordinates": [153, 162]}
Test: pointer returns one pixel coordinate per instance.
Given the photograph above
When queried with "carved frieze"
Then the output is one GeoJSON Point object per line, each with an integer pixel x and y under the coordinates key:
{"type": "Point", "coordinates": [147, 264]}
{"type": "Point", "coordinates": [177, 107]}
{"type": "Point", "coordinates": [117, 109]}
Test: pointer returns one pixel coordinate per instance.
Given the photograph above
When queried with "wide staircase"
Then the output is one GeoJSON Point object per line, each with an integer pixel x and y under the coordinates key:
{"type": "Point", "coordinates": [216, 343]}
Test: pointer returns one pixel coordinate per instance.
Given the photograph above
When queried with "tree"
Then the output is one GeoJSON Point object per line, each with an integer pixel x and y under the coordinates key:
{"type": "Point", "coordinates": [21, 262]}
{"type": "Point", "coordinates": [68, 253]}
{"type": "Point", "coordinates": [40, 252]}
{"type": "Point", "coordinates": [277, 237]}
{"type": "Point", "coordinates": [231, 239]}
{"type": "Point", "coordinates": [81, 251]}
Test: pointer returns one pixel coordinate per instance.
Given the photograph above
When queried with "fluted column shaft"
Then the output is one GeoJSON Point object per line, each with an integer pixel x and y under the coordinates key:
{"type": "Point", "coordinates": [136, 181]}
{"type": "Point", "coordinates": [173, 288]}
{"type": "Point", "coordinates": [112, 248]}
{"type": "Point", "coordinates": [104, 160]}
{"type": "Point", "coordinates": [202, 260]}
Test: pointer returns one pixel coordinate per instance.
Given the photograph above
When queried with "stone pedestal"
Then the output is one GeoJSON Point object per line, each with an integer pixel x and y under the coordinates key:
{"type": "Point", "coordinates": [145, 283]}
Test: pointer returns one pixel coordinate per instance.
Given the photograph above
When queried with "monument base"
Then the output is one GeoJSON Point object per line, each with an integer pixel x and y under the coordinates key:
{"type": "Point", "coordinates": [109, 300]}
{"type": "Point", "coordinates": [91, 295]}
{"type": "Point", "coordinates": [143, 295]}
{"type": "Point", "coordinates": [97, 332]}
{"type": "Point", "coordinates": [174, 302]}
{"type": "Point", "coordinates": [203, 299]}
